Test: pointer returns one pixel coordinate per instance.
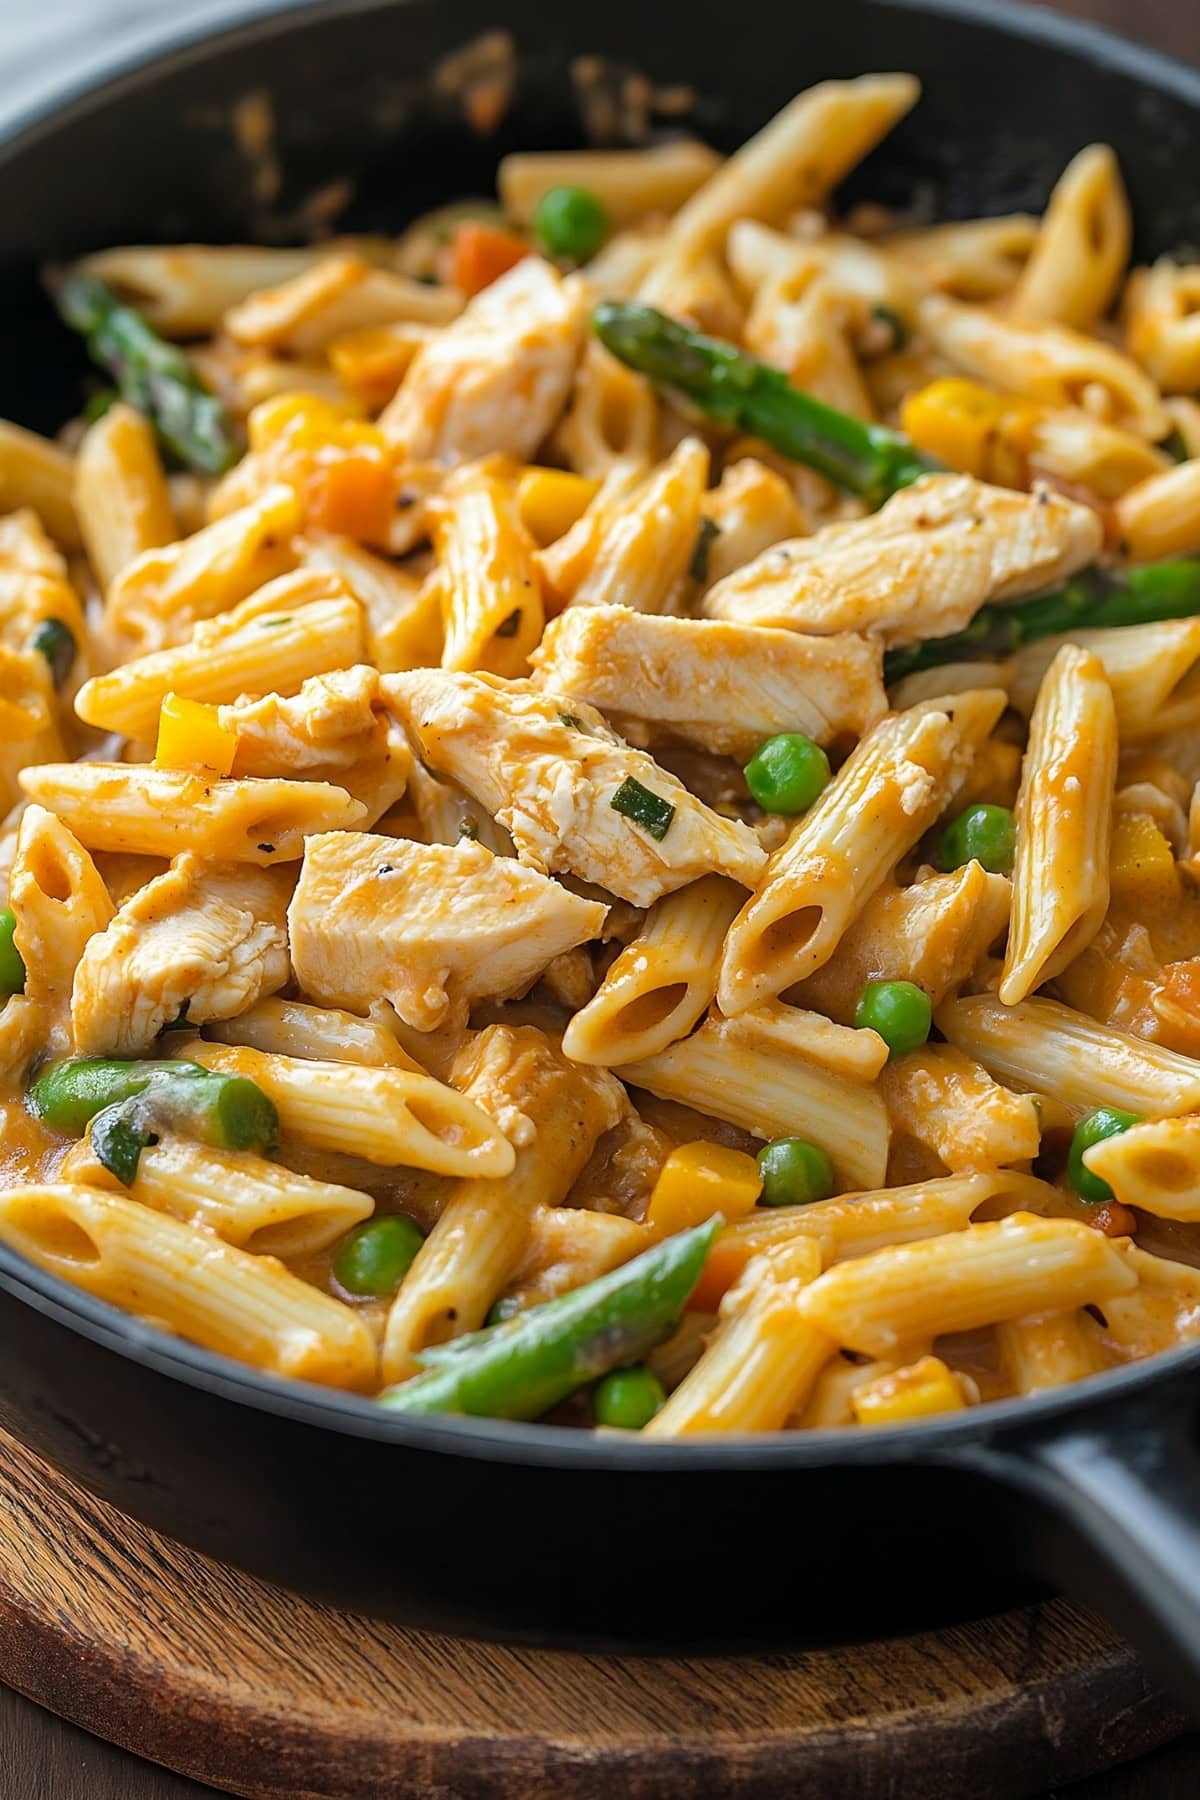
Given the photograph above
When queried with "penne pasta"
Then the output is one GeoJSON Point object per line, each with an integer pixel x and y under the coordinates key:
{"type": "Point", "coordinates": [122, 501]}
{"type": "Point", "coordinates": [294, 1028]}
{"type": "Point", "coordinates": [630, 184]}
{"type": "Point", "coordinates": [487, 576]}
{"type": "Point", "coordinates": [1082, 247]}
{"type": "Point", "coordinates": [1151, 670]}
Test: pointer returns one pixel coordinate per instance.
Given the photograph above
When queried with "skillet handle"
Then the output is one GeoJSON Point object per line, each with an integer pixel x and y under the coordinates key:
{"type": "Point", "coordinates": [1124, 1479]}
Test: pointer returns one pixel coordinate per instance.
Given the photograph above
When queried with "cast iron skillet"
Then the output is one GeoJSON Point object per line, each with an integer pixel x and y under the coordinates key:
{"type": "Point", "coordinates": [529, 1532]}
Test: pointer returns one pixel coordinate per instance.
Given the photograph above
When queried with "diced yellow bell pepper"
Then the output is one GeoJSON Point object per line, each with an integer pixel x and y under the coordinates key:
{"type": "Point", "coordinates": [308, 422]}
{"type": "Point", "coordinates": [1142, 869]}
{"type": "Point", "coordinates": [374, 359]}
{"type": "Point", "coordinates": [191, 736]}
{"type": "Point", "coordinates": [917, 1392]}
{"type": "Point", "coordinates": [700, 1179]}
{"type": "Point", "coordinates": [972, 428]}
{"type": "Point", "coordinates": [550, 501]}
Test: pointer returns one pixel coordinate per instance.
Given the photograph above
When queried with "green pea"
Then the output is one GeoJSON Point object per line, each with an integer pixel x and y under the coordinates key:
{"type": "Point", "coordinates": [794, 1172]}
{"type": "Point", "coordinates": [1105, 1122]}
{"type": "Point", "coordinates": [898, 1010]}
{"type": "Point", "coordinates": [628, 1398]}
{"type": "Point", "coordinates": [374, 1257]}
{"type": "Point", "coordinates": [570, 222]}
{"type": "Point", "coordinates": [12, 968]}
{"type": "Point", "coordinates": [983, 834]}
{"type": "Point", "coordinates": [787, 773]}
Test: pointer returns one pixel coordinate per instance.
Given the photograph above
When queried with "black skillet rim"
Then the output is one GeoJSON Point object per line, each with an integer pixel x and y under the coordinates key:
{"type": "Point", "coordinates": [91, 79]}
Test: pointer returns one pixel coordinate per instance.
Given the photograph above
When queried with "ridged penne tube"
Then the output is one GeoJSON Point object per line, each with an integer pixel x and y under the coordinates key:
{"type": "Point", "coordinates": [1072, 448]}
{"type": "Point", "coordinates": [294, 1028]}
{"type": "Point", "coordinates": [740, 1075]}
{"type": "Point", "coordinates": [1162, 1312]}
{"type": "Point", "coordinates": [920, 567]}
{"type": "Point", "coordinates": [1160, 517]}
{"type": "Point", "coordinates": [343, 292]}
{"type": "Point", "coordinates": [161, 812]}
{"type": "Point", "coordinates": [612, 421]}
{"type": "Point", "coordinates": [203, 941]}
{"type": "Point", "coordinates": [722, 687]}
{"type": "Point", "coordinates": [497, 377]}
{"type": "Point", "coordinates": [568, 1246]}
{"type": "Point", "coordinates": [158, 598]}
{"type": "Point", "coordinates": [184, 1278]}
{"type": "Point", "coordinates": [803, 325]}
{"type": "Point", "coordinates": [294, 628]}
{"type": "Point", "coordinates": [970, 1278]}
{"type": "Point", "coordinates": [392, 1117]}
{"type": "Point", "coordinates": [950, 1104]}
{"type": "Point", "coordinates": [662, 982]}
{"type": "Point", "coordinates": [856, 1055]}
{"type": "Point", "coordinates": [889, 791]}
{"type": "Point", "coordinates": [795, 160]}
{"type": "Point", "coordinates": [487, 576]}
{"type": "Point", "coordinates": [857, 270]}
{"type": "Point", "coordinates": [484, 1227]}
{"type": "Point", "coordinates": [752, 507]}
{"type": "Point", "coordinates": [1155, 1166]}
{"type": "Point", "coordinates": [59, 901]}
{"type": "Point", "coordinates": [1047, 1350]}
{"type": "Point", "coordinates": [1064, 823]}
{"type": "Point", "coordinates": [185, 290]}
{"type": "Point", "coordinates": [549, 769]}
{"type": "Point", "coordinates": [428, 927]}
{"type": "Point", "coordinates": [1153, 671]}
{"type": "Point", "coordinates": [35, 472]}
{"type": "Point", "coordinates": [1162, 323]}
{"type": "Point", "coordinates": [644, 547]}
{"type": "Point", "coordinates": [975, 259]}
{"type": "Point", "coordinates": [1045, 362]}
{"type": "Point", "coordinates": [121, 497]}
{"type": "Point", "coordinates": [404, 613]}
{"type": "Point", "coordinates": [948, 678]}
{"type": "Point", "coordinates": [629, 183]}
{"type": "Point", "coordinates": [760, 1365]}
{"type": "Point", "coordinates": [1082, 247]}
{"type": "Point", "coordinates": [1047, 1048]}
{"type": "Point", "coordinates": [243, 1199]}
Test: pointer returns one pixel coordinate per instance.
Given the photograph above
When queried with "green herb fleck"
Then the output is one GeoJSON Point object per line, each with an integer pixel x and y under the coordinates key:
{"type": "Point", "coordinates": [698, 567]}
{"type": "Point", "coordinates": [650, 811]}
{"type": "Point", "coordinates": [572, 721]}
{"type": "Point", "coordinates": [468, 829]}
{"type": "Point", "coordinates": [887, 315]}
{"type": "Point", "coordinates": [56, 642]}
{"type": "Point", "coordinates": [1175, 446]}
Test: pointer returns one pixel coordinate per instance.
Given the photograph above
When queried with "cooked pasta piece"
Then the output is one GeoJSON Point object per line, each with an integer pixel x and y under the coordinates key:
{"type": "Point", "coordinates": [904, 772]}
{"type": "Point", "coordinates": [751, 508]}
{"type": "Point", "coordinates": [1161, 1313]}
{"type": "Point", "coordinates": [1163, 325]}
{"type": "Point", "coordinates": [343, 292]}
{"type": "Point", "coordinates": [1047, 1350]}
{"type": "Point", "coordinates": [182, 1277]}
{"type": "Point", "coordinates": [293, 628]}
{"type": "Point", "coordinates": [567, 788]}
{"type": "Point", "coordinates": [1153, 671]}
{"type": "Point", "coordinates": [486, 576]}
{"type": "Point", "coordinates": [121, 497]}
{"type": "Point", "coordinates": [732, 1070]}
{"type": "Point", "coordinates": [801, 323]}
{"type": "Point", "coordinates": [243, 1199]}
{"type": "Point", "coordinates": [1160, 517]}
{"type": "Point", "coordinates": [204, 941]}
{"type": "Point", "coordinates": [1155, 1166]}
{"type": "Point", "coordinates": [1064, 823]}
{"type": "Point", "coordinates": [428, 927]}
{"type": "Point", "coordinates": [36, 473]}
{"type": "Point", "coordinates": [404, 614]}
{"type": "Point", "coordinates": [951, 1105]}
{"type": "Point", "coordinates": [1045, 1047]}
{"type": "Point", "coordinates": [920, 567]}
{"type": "Point", "coordinates": [611, 424]}
{"type": "Point", "coordinates": [722, 687]}
{"type": "Point", "coordinates": [495, 379]}
{"type": "Point", "coordinates": [294, 1028]}
{"type": "Point", "coordinates": [662, 983]}
{"type": "Point", "coordinates": [484, 1227]}
{"type": "Point", "coordinates": [629, 183]}
{"type": "Point", "coordinates": [390, 1116]}
{"type": "Point", "coordinates": [978, 1276]}
{"type": "Point", "coordinates": [185, 290]}
{"type": "Point", "coordinates": [60, 902]}
{"type": "Point", "coordinates": [760, 1365]}
{"type": "Point", "coordinates": [1082, 247]}
{"type": "Point", "coordinates": [161, 812]}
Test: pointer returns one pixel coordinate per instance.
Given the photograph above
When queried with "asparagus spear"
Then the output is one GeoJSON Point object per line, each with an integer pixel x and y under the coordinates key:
{"type": "Point", "coordinates": [741, 391]}
{"type": "Point", "coordinates": [519, 1369]}
{"type": "Point", "coordinates": [129, 1103]}
{"type": "Point", "coordinates": [156, 377]}
{"type": "Point", "coordinates": [1092, 599]}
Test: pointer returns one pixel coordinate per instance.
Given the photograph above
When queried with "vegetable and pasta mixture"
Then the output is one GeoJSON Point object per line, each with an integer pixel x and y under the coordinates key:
{"type": "Point", "coordinates": [604, 817]}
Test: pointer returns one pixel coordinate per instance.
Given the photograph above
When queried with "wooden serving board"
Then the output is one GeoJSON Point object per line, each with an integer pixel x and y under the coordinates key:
{"type": "Point", "coordinates": [237, 1683]}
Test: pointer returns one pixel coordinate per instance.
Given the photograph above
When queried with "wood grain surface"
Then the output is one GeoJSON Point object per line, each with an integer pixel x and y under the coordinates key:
{"type": "Point", "coordinates": [197, 1665]}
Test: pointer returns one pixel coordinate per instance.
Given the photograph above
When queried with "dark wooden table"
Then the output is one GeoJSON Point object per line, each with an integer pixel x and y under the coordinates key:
{"type": "Point", "coordinates": [43, 1758]}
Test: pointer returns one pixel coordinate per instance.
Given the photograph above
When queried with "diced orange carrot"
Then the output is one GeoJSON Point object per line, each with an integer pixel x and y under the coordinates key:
{"type": "Point", "coordinates": [480, 254]}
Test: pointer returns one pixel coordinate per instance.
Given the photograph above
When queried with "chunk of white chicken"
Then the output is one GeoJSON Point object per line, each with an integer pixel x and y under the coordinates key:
{"type": "Point", "coordinates": [205, 940]}
{"type": "Point", "coordinates": [921, 567]}
{"type": "Point", "coordinates": [429, 927]}
{"type": "Point", "coordinates": [499, 376]}
{"type": "Point", "coordinates": [333, 722]}
{"type": "Point", "coordinates": [573, 794]}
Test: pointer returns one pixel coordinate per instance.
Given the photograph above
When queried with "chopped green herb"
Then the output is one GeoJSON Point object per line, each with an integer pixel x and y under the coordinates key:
{"type": "Point", "coordinates": [709, 529]}
{"type": "Point", "coordinates": [56, 642]}
{"type": "Point", "coordinates": [887, 315]}
{"type": "Point", "coordinates": [274, 624]}
{"type": "Point", "coordinates": [1175, 446]}
{"type": "Point", "coordinates": [509, 627]}
{"type": "Point", "coordinates": [468, 829]}
{"type": "Point", "coordinates": [572, 721]}
{"type": "Point", "coordinates": [650, 811]}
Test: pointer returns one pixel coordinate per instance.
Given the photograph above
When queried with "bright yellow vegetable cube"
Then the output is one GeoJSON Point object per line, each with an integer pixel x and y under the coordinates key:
{"type": "Point", "coordinates": [916, 1392]}
{"type": "Point", "coordinates": [191, 736]}
{"type": "Point", "coordinates": [550, 501]}
{"type": "Point", "coordinates": [972, 428]}
{"type": "Point", "coordinates": [1142, 868]}
{"type": "Point", "coordinates": [700, 1179]}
